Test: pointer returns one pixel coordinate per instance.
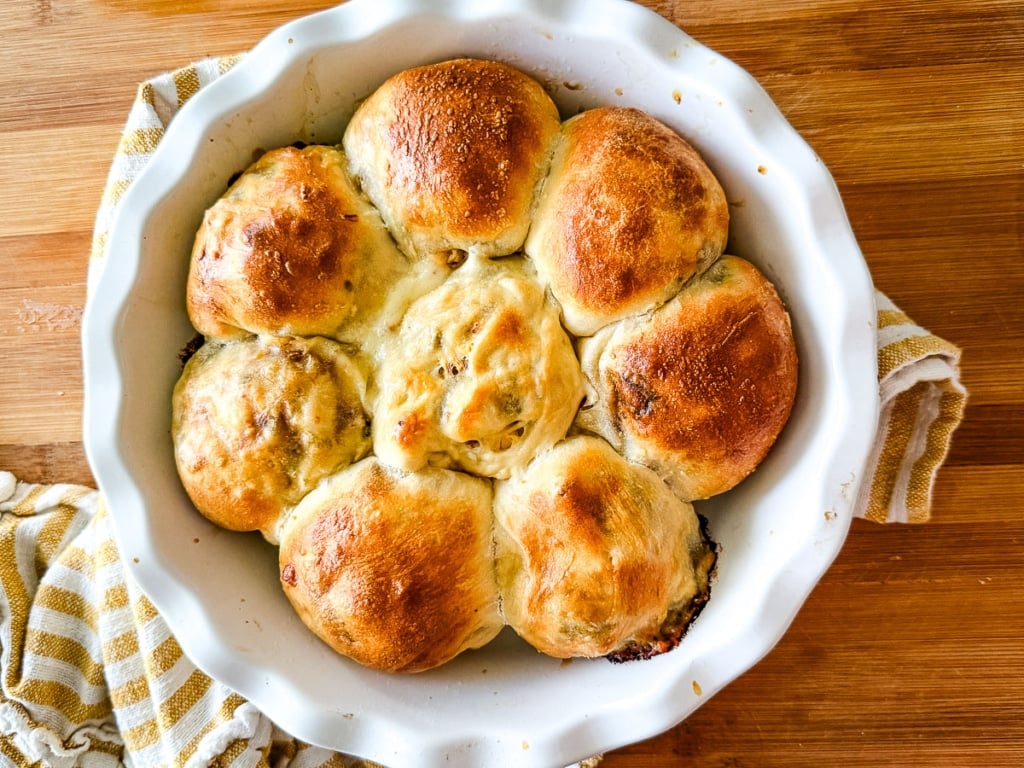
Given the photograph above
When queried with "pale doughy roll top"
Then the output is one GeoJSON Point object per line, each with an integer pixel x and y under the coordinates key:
{"type": "Point", "coordinates": [700, 389]}
{"type": "Point", "coordinates": [479, 376]}
{"type": "Point", "coordinates": [452, 154]}
{"type": "Point", "coordinates": [257, 423]}
{"type": "Point", "coordinates": [394, 569]}
{"type": "Point", "coordinates": [291, 249]}
{"type": "Point", "coordinates": [595, 555]}
{"type": "Point", "coordinates": [628, 213]}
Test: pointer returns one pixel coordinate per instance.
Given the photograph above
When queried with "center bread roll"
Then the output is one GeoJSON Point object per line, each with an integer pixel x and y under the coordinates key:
{"type": "Point", "coordinates": [394, 569]}
{"type": "Point", "coordinates": [595, 554]}
{"type": "Point", "coordinates": [479, 376]}
{"type": "Point", "coordinates": [452, 154]}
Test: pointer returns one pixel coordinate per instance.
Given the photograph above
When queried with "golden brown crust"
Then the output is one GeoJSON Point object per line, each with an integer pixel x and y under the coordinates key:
{"type": "Point", "coordinates": [394, 569]}
{"type": "Point", "coordinates": [701, 389]}
{"type": "Point", "coordinates": [452, 153]}
{"type": "Point", "coordinates": [257, 423]}
{"type": "Point", "coordinates": [402, 560]}
{"type": "Point", "coordinates": [629, 212]}
{"type": "Point", "coordinates": [594, 553]}
{"type": "Point", "coordinates": [291, 248]}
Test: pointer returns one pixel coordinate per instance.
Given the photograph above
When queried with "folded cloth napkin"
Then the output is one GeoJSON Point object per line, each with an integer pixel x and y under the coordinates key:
{"type": "Point", "coordinates": [91, 675]}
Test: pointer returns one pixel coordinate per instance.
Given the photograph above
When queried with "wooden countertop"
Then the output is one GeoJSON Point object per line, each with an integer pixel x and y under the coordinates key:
{"type": "Point", "coordinates": [911, 650]}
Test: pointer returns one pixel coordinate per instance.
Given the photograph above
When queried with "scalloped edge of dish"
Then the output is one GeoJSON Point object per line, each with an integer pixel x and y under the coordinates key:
{"type": "Point", "coordinates": [667, 696]}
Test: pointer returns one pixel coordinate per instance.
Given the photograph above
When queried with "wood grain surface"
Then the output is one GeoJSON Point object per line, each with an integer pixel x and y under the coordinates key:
{"type": "Point", "coordinates": [911, 650]}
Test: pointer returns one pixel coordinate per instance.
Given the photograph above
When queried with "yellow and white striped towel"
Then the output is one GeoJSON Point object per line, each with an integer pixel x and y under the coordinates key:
{"type": "Point", "coordinates": [922, 403]}
{"type": "Point", "coordinates": [90, 674]}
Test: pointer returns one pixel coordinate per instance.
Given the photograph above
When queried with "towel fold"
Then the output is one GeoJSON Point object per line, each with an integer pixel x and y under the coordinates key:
{"type": "Point", "coordinates": [922, 403]}
{"type": "Point", "coordinates": [91, 675]}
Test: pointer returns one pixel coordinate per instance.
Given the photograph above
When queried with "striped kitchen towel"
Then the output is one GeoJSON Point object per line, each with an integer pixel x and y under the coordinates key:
{"type": "Point", "coordinates": [922, 403]}
{"type": "Point", "coordinates": [90, 674]}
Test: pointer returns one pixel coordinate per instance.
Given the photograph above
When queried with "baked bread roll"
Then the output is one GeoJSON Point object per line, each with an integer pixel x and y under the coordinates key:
{"type": "Point", "coordinates": [594, 554]}
{"type": "Point", "coordinates": [629, 212]}
{"type": "Point", "coordinates": [479, 376]}
{"type": "Point", "coordinates": [257, 423]}
{"type": "Point", "coordinates": [410, 434]}
{"type": "Point", "coordinates": [394, 569]}
{"type": "Point", "coordinates": [452, 154]}
{"type": "Point", "coordinates": [700, 390]}
{"type": "Point", "coordinates": [291, 249]}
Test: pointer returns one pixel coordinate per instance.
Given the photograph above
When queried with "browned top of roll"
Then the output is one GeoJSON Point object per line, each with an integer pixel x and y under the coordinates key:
{"type": "Point", "coordinates": [291, 248]}
{"type": "Point", "coordinates": [452, 153]}
{"type": "Point", "coordinates": [394, 569]}
{"type": "Point", "coordinates": [701, 391]}
{"type": "Point", "coordinates": [629, 212]}
{"type": "Point", "coordinates": [593, 551]}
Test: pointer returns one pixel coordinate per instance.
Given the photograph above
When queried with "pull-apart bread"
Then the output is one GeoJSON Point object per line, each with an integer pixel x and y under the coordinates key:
{"type": "Point", "coordinates": [470, 368]}
{"type": "Point", "coordinates": [595, 554]}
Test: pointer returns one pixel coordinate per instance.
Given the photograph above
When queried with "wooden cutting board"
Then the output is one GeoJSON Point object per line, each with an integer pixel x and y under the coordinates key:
{"type": "Point", "coordinates": [911, 650]}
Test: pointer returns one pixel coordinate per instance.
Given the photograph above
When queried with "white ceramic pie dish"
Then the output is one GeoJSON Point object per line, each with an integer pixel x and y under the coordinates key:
{"type": "Point", "coordinates": [506, 704]}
